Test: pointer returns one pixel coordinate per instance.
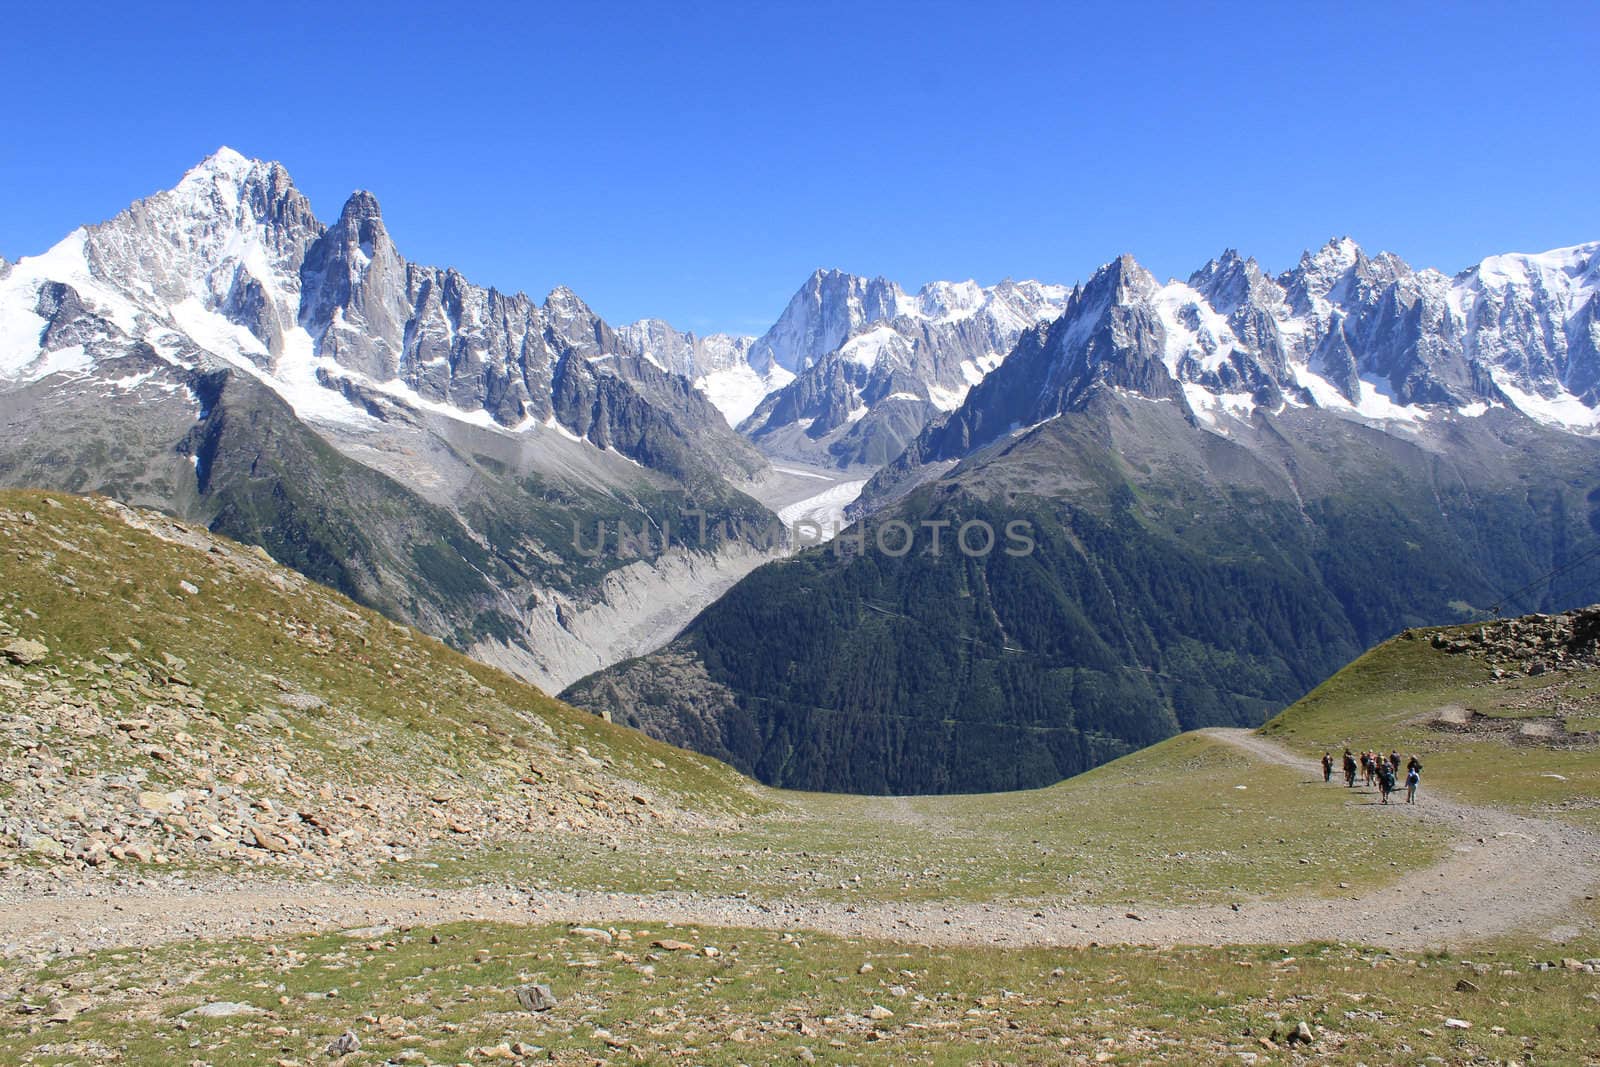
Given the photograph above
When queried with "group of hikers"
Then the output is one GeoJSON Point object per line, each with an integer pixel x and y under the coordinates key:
{"type": "Point", "coordinates": [1377, 769]}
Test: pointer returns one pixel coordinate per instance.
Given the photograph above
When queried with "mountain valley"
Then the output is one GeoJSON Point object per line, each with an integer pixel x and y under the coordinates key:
{"type": "Point", "coordinates": [249, 817]}
{"type": "Point", "coordinates": [1230, 486]}
{"type": "Point", "coordinates": [743, 534]}
{"type": "Point", "coordinates": [1227, 486]}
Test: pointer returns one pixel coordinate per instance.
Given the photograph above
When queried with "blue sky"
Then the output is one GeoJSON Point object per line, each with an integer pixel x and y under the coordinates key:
{"type": "Point", "coordinates": [697, 161]}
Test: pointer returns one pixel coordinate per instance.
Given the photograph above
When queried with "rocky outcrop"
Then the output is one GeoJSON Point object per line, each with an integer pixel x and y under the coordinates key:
{"type": "Point", "coordinates": [1529, 645]}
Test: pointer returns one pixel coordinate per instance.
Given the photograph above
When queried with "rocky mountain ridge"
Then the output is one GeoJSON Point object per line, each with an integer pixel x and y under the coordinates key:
{"type": "Point", "coordinates": [873, 363]}
{"type": "Point", "coordinates": [432, 447]}
{"type": "Point", "coordinates": [1366, 338]}
{"type": "Point", "coordinates": [233, 262]}
{"type": "Point", "coordinates": [718, 364]}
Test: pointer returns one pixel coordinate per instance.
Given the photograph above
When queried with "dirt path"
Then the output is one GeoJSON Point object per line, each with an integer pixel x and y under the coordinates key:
{"type": "Point", "coordinates": [1506, 873]}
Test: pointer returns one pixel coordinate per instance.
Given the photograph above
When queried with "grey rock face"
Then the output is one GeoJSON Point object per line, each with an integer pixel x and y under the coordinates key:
{"type": "Point", "coordinates": [476, 349]}
{"type": "Point", "coordinates": [67, 320]}
{"type": "Point", "coordinates": [355, 300]}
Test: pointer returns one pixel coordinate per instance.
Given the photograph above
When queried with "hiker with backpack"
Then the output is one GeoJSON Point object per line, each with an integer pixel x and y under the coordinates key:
{"type": "Point", "coordinates": [1386, 780]}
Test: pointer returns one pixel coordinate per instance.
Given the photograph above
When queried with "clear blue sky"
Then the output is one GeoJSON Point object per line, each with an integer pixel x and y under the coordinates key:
{"type": "Point", "coordinates": [697, 161]}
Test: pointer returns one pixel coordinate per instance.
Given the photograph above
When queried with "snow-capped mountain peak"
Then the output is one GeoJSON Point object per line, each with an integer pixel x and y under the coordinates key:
{"type": "Point", "coordinates": [227, 239]}
{"type": "Point", "coordinates": [1338, 274]}
{"type": "Point", "coordinates": [231, 267]}
{"type": "Point", "coordinates": [945, 301]}
{"type": "Point", "coordinates": [222, 174]}
{"type": "Point", "coordinates": [1366, 337]}
{"type": "Point", "coordinates": [827, 309]}
{"type": "Point", "coordinates": [1534, 320]}
{"type": "Point", "coordinates": [1230, 280]}
{"type": "Point", "coordinates": [1553, 271]}
{"type": "Point", "coordinates": [873, 363]}
{"type": "Point", "coordinates": [224, 160]}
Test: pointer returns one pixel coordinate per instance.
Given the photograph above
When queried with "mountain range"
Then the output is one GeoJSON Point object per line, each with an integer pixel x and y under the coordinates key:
{"type": "Point", "coordinates": [1227, 485]}
{"type": "Point", "coordinates": [1365, 338]}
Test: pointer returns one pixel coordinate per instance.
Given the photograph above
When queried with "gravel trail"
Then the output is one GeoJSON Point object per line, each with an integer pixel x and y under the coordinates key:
{"type": "Point", "coordinates": [1505, 874]}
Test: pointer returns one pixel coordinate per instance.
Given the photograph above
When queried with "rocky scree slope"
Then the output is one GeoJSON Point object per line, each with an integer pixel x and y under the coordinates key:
{"type": "Point", "coordinates": [175, 698]}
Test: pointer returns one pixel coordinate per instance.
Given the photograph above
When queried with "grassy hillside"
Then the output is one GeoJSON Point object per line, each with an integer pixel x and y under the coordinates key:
{"type": "Point", "coordinates": [181, 697]}
{"type": "Point", "coordinates": [1529, 742]}
{"type": "Point", "coordinates": [174, 700]}
{"type": "Point", "coordinates": [1190, 820]}
{"type": "Point", "coordinates": [200, 705]}
{"type": "Point", "coordinates": [445, 996]}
